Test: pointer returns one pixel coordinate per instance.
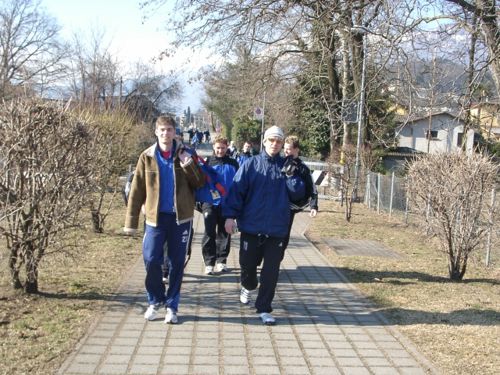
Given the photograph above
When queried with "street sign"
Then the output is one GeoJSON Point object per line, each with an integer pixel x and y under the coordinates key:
{"type": "Point", "coordinates": [258, 113]}
{"type": "Point", "coordinates": [350, 112]}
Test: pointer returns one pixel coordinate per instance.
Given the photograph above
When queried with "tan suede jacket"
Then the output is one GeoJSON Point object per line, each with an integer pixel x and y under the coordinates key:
{"type": "Point", "coordinates": [145, 190]}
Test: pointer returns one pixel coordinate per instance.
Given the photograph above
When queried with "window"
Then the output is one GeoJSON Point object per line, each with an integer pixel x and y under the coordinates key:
{"type": "Point", "coordinates": [460, 138]}
{"type": "Point", "coordinates": [431, 134]}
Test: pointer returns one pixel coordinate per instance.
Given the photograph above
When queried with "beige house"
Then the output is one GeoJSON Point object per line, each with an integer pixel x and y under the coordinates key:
{"type": "Point", "coordinates": [487, 115]}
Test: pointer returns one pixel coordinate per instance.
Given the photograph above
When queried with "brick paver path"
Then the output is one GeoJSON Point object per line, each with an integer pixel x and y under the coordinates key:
{"type": "Point", "coordinates": [324, 326]}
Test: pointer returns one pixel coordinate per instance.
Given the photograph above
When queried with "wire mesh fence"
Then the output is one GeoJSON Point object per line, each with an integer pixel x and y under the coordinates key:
{"type": "Point", "coordinates": [388, 194]}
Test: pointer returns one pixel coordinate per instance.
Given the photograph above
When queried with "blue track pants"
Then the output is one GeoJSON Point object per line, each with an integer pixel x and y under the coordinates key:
{"type": "Point", "coordinates": [177, 238]}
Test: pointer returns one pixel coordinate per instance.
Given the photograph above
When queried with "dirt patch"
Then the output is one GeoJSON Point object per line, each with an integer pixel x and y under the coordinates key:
{"type": "Point", "coordinates": [38, 331]}
{"type": "Point", "coordinates": [454, 324]}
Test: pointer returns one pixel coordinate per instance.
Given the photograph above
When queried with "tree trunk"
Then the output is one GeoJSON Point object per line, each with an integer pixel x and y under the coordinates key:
{"type": "Point", "coordinates": [14, 280]}
{"type": "Point", "coordinates": [96, 221]}
{"type": "Point", "coordinates": [335, 99]}
{"type": "Point", "coordinates": [491, 32]}
{"type": "Point", "coordinates": [348, 206]}
{"type": "Point", "coordinates": [31, 285]}
{"type": "Point", "coordinates": [13, 267]}
{"type": "Point", "coordinates": [457, 269]}
{"type": "Point", "coordinates": [346, 137]}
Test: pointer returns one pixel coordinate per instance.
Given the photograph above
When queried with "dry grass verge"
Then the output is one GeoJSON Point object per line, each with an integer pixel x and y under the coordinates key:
{"type": "Point", "coordinates": [38, 331]}
{"type": "Point", "coordinates": [454, 324]}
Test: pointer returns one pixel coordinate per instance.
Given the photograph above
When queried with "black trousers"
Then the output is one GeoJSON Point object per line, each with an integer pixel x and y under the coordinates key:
{"type": "Point", "coordinates": [216, 242]}
{"type": "Point", "coordinates": [253, 250]}
{"type": "Point", "coordinates": [287, 238]}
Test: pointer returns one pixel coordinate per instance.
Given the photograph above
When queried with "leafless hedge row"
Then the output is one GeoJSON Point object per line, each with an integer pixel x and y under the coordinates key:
{"type": "Point", "coordinates": [452, 196]}
{"type": "Point", "coordinates": [56, 165]}
{"type": "Point", "coordinates": [392, 195]}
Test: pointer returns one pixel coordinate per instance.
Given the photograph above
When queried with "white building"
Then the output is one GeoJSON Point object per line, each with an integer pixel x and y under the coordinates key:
{"type": "Point", "coordinates": [438, 132]}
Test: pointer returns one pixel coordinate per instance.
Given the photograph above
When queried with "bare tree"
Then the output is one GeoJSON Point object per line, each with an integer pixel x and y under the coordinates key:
{"type": "Point", "coordinates": [147, 93]}
{"type": "Point", "coordinates": [44, 180]}
{"type": "Point", "coordinates": [321, 36]}
{"type": "Point", "coordinates": [484, 13]}
{"type": "Point", "coordinates": [276, 30]}
{"type": "Point", "coordinates": [30, 52]}
{"type": "Point", "coordinates": [94, 72]}
{"type": "Point", "coordinates": [237, 87]}
{"type": "Point", "coordinates": [115, 140]}
{"type": "Point", "coordinates": [450, 190]}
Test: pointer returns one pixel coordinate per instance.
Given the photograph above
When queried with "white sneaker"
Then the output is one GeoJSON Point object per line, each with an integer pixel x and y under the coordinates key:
{"type": "Point", "coordinates": [267, 319]}
{"type": "Point", "coordinates": [220, 267]}
{"type": "Point", "coordinates": [209, 270]}
{"type": "Point", "coordinates": [244, 296]}
{"type": "Point", "coordinates": [151, 313]}
{"type": "Point", "coordinates": [171, 317]}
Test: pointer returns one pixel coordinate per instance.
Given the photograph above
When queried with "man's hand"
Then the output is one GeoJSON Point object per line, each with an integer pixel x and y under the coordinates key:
{"type": "Point", "coordinates": [289, 166]}
{"type": "Point", "coordinates": [313, 212]}
{"type": "Point", "coordinates": [184, 156]}
{"type": "Point", "coordinates": [230, 226]}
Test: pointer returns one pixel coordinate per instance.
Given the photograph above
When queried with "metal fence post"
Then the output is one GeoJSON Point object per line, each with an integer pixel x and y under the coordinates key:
{"type": "Point", "coordinates": [392, 194]}
{"type": "Point", "coordinates": [367, 188]}
{"type": "Point", "coordinates": [490, 228]}
{"type": "Point", "coordinates": [428, 214]}
{"type": "Point", "coordinates": [407, 200]}
{"type": "Point", "coordinates": [378, 192]}
{"type": "Point", "coordinates": [368, 193]}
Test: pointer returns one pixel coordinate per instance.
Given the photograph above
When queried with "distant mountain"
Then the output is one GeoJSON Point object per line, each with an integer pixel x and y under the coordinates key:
{"type": "Point", "coordinates": [445, 77]}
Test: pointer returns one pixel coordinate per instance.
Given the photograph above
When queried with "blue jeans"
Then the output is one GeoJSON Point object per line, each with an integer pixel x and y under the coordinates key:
{"type": "Point", "coordinates": [177, 238]}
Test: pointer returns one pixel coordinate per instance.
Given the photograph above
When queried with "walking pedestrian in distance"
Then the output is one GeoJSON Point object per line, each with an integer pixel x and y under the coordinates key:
{"type": "Point", "coordinates": [246, 153]}
{"type": "Point", "coordinates": [231, 150]}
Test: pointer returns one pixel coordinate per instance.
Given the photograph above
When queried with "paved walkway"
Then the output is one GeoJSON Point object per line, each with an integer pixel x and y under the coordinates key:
{"type": "Point", "coordinates": [324, 326]}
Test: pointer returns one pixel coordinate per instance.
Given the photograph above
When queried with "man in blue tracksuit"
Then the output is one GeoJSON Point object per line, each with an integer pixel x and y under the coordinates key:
{"type": "Point", "coordinates": [258, 200]}
{"type": "Point", "coordinates": [216, 242]}
{"type": "Point", "coordinates": [165, 179]}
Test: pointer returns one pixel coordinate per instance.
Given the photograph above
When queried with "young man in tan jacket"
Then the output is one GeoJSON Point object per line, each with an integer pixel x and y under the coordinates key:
{"type": "Point", "coordinates": [164, 182]}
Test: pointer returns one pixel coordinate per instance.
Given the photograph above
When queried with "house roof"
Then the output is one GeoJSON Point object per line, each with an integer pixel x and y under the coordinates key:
{"type": "Point", "coordinates": [494, 104]}
{"type": "Point", "coordinates": [404, 152]}
{"type": "Point", "coordinates": [422, 116]}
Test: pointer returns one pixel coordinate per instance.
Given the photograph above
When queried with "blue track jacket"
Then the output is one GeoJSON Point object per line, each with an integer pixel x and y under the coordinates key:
{"type": "Point", "coordinates": [225, 167]}
{"type": "Point", "coordinates": [258, 197]}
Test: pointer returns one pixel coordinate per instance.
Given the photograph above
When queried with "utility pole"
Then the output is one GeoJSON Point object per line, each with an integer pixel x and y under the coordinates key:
{"type": "Point", "coordinates": [361, 111]}
{"type": "Point", "coordinates": [262, 123]}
